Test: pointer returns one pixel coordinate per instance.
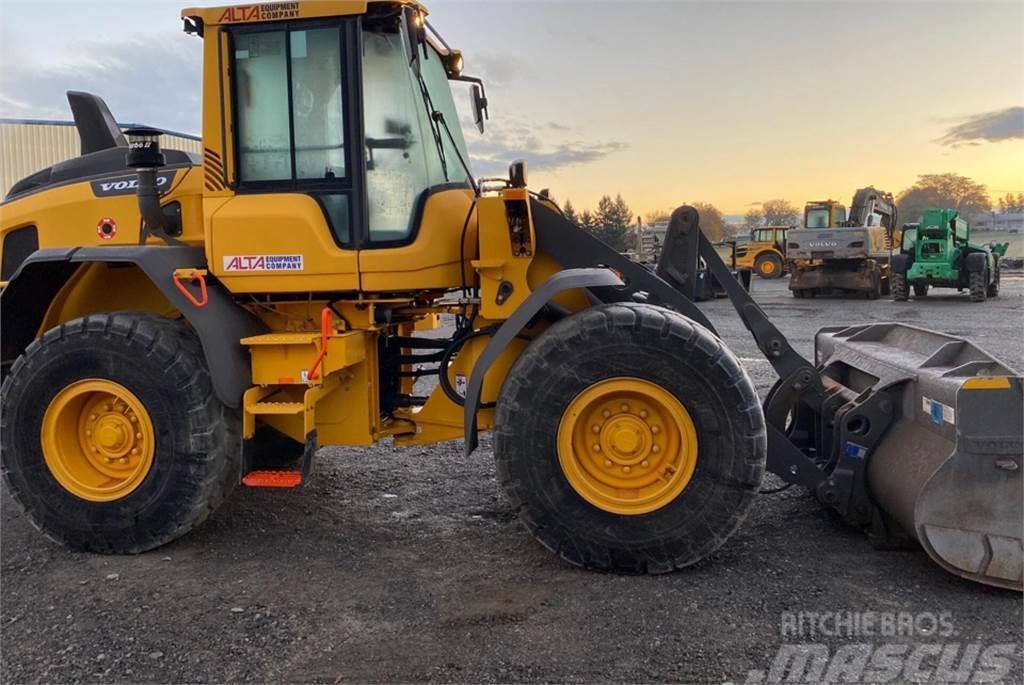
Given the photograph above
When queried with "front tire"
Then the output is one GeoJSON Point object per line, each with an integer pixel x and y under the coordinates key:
{"type": "Point", "coordinates": [112, 438]}
{"type": "Point", "coordinates": [768, 265]}
{"type": "Point", "coordinates": [643, 377]}
{"type": "Point", "coordinates": [900, 289]}
{"type": "Point", "coordinates": [920, 290]}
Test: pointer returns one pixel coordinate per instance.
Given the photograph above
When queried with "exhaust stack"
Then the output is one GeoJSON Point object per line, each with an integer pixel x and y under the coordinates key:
{"type": "Point", "coordinates": [145, 157]}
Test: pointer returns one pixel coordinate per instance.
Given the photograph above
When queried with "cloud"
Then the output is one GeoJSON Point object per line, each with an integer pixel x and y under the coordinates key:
{"type": "Point", "coordinates": [153, 81]}
{"type": "Point", "coordinates": [158, 82]}
{"type": "Point", "coordinates": [992, 127]}
{"type": "Point", "coordinates": [543, 146]}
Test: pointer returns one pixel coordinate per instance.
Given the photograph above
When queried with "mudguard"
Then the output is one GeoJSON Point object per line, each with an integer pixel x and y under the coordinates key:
{"type": "Point", "coordinates": [976, 262]}
{"type": "Point", "coordinates": [221, 323]}
{"type": "Point", "coordinates": [570, 279]}
{"type": "Point", "coordinates": [900, 263]}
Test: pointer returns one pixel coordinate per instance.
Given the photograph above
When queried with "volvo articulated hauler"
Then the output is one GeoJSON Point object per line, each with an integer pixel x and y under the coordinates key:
{"type": "Point", "coordinates": [174, 327]}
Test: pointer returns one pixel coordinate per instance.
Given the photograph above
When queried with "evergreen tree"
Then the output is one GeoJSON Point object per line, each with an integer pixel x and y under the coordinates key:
{"type": "Point", "coordinates": [613, 219]}
{"type": "Point", "coordinates": [570, 212]}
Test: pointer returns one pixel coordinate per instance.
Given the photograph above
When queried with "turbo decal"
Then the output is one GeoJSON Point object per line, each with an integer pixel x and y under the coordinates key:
{"type": "Point", "coordinates": [277, 262]}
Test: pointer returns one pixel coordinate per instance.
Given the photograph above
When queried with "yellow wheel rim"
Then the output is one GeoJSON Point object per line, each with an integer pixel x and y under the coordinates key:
{"type": "Point", "coordinates": [767, 267]}
{"type": "Point", "coordinates": [627, 446]}
{"type": "Point", "coordinates": [98, 440]}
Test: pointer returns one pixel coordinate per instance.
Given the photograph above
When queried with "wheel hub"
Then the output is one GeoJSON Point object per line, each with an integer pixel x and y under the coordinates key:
{"type": "Point", "coordinates": [98, 440]}
{"type": "Point", "coordinates": [627, 446]}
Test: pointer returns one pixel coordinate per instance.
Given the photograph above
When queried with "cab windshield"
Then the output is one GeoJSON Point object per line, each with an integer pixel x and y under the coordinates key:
{"type": "Point", "coordinates": [409, 150]}
{"type": "Point", "coordinates": [817, 218]}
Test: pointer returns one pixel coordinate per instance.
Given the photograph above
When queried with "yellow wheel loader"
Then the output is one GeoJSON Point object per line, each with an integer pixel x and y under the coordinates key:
{"type": "Point", "coordinates": [765, 252]}
{"type": "Point", "coordinates": [174, 327]}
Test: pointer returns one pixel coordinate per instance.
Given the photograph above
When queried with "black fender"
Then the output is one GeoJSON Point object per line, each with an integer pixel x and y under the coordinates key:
{"type": "Point", "coordinates": [976, 262]}
{"type": "Point", "coordinates": [900, 263]}
{"type": "Point", "coordinates": [221, 324]}
{"type": "Point", "coordinates": [569, 279]}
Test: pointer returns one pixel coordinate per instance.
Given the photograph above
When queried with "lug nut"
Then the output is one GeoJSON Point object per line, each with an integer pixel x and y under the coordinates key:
{"type": "Point", "coordinates": [607, 463]}
{"type": "Point", "coordinates": [643, 414]}
{"type": "Point", "coordinates": [606, 414]}
{"type": "Point", "coordinates": [644, 463]}
{"type": "Point", "coordinates": [655, 449]}
{"type": "Point", "coordinates": [597, 448]}
{"type": "Point", "coordinates": [138, 436]}
{"type": "Point", "coordinates": [655, 429]}
{"type": "Point", "coordinates": [626, 469]}
{"type": "Point", "coordinates": [595, 429]}
{"type": "Point", "coordinates": [624, 407]}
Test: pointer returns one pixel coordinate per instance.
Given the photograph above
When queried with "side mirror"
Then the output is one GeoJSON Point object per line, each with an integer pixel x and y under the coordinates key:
{"type": "Point", "coordinates": [479, 107]}
{"type": "Point", "coordinates": [416, 34]}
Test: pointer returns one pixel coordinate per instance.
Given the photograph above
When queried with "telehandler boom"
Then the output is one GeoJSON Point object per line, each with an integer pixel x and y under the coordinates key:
{"type": "Point", "coordinates": [175, 326]}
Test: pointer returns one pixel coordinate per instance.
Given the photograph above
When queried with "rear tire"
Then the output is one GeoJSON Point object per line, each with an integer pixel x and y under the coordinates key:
{"type": "Point", "coordinates": [993, 287]}
{"type": "Point", "coordinates": [195, 450]}
{"type": "Point", "coordinates": [978, 285]}
{"type": "Point", "coordinates": [920, 290]}
{"type": "Point", "coordinates": [637, 344]}
{"type": "Point", "coordinates": [900, 289]}
{"type": "Point", "coordinates": [768, 265]}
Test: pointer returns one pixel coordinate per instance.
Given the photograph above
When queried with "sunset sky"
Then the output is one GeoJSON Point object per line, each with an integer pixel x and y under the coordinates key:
{"type": "Point", "coordinates": [731, 103]}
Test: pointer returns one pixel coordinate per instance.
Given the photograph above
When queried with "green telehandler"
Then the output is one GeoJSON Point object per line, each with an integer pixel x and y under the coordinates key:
{"type": "Point", "coordinates": [938, 252]}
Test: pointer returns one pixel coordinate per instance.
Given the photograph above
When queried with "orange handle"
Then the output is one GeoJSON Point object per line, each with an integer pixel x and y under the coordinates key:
{"type": "Point", "coordinates": [326, 322]}
{"type": "Point", "coordinates": [192, 275]}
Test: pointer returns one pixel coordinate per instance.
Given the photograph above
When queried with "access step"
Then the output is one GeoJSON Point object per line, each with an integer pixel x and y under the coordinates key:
{"type": "Point", "coordinates": [279, 408]}
{"type": "Point", "coordinates": [272, 479]}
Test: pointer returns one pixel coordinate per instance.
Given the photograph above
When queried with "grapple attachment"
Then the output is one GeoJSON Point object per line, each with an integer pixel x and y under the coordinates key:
{"type": "Point", "coordinates": [947, 469]}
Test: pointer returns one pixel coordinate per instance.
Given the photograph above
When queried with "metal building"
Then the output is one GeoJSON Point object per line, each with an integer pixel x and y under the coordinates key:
{"type": "Point", "coordinates": [28, 145]}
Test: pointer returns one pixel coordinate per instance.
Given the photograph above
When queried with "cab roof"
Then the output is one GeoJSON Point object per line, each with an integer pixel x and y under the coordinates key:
{"type": "Point", "coordinates": [287, 9]}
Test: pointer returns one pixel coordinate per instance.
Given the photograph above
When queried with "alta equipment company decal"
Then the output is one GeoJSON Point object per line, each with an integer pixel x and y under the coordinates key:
{"type": "Point", "coordinates": [268, 262]}
{"type": "Point", "coordinates": [265, 12]}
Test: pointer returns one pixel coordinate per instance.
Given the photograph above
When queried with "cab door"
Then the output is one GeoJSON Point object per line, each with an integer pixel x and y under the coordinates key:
{"type": "Point", "coordinates": [291, 223]}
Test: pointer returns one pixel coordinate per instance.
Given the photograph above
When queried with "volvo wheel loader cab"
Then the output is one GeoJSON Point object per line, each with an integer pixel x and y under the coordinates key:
{"type": "Point", "coordinates": [836, 253]}
{"type": "Point", "coordinates": [764, 253]}
{"type": "Point", "coordinates": [182, 326]}
{"type": "Point", "coordinates": [937, 252]}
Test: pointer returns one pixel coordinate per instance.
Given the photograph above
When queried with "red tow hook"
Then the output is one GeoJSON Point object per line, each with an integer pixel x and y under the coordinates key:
{"type": "Point", "coordinates": [326, 326]}
{"type": "Point", "coordinates": [192, 275]}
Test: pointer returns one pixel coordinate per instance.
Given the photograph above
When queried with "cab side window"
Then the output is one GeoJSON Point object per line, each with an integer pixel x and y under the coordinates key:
{"type": "Point", "coordinates": [289, 101]}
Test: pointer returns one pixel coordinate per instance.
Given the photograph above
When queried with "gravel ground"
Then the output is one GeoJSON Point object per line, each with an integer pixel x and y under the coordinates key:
{"type": "Point", "coordinates": [407, 565]}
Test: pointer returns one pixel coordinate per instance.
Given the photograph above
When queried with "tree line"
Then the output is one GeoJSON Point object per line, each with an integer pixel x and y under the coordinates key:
{"type": "Point", "coordinates": [614, 222]}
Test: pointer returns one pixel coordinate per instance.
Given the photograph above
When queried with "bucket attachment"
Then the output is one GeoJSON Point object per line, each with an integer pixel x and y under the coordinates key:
{"type": "Point", "coordinates": [946, 466]}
